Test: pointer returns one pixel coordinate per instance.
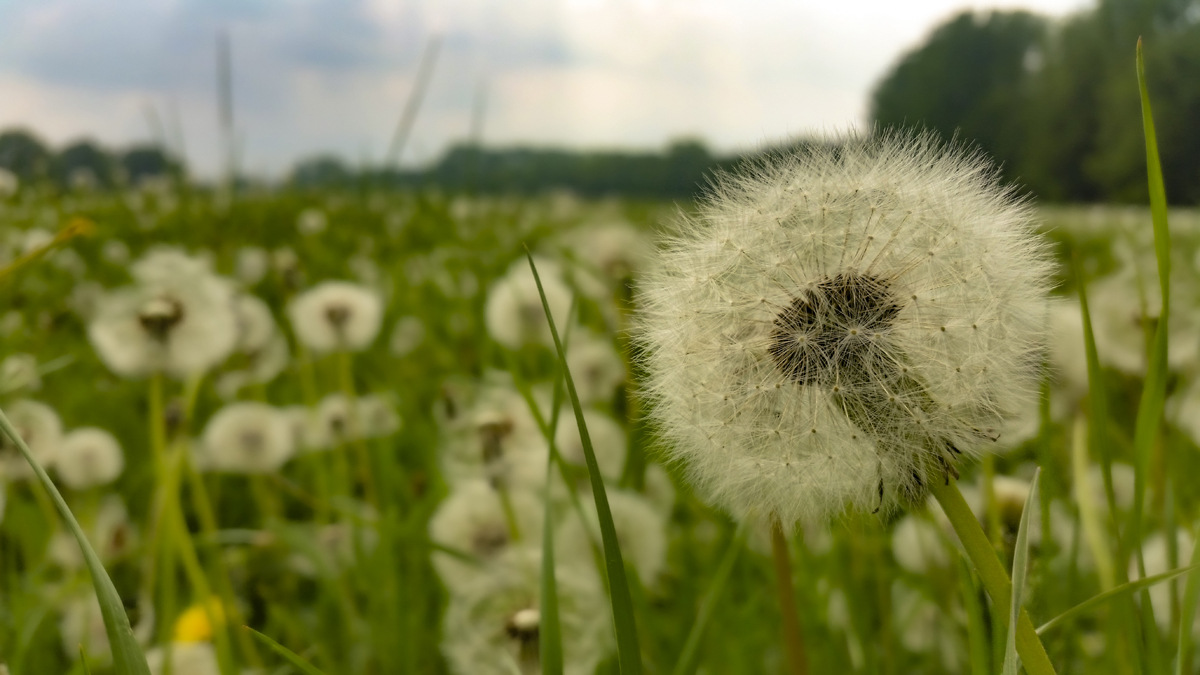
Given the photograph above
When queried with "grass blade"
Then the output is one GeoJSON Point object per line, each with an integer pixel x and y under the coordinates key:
{"type": "Point", "coordinates": [291, 657]}
{"type": "Point", "coordinates": [1187, 614]}
{"type": "Point", "coordinates": [549, 630]}
{"type": "Point", "coordinates": [628, 652]}
{"type": "Point", "coordinates": [127, 657]}
{"type": "Point", "coordinates": [1097, 438]}
{"type": "Point", "coordinates": [1020, 566]}
{"type": "Point", "coordinates": [1123, 589]}
{"type": "Point", "coordinates": [1154, 392]}
{"type": "Point", "coordinates": [689, 659]}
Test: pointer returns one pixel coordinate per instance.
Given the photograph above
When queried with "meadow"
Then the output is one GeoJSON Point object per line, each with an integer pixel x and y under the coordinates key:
{"type": "Point", "coordinates": [359, 449]}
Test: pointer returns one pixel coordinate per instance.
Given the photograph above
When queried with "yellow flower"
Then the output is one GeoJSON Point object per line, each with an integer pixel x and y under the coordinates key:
{"type": "Point", "coordinates": [196, 622]}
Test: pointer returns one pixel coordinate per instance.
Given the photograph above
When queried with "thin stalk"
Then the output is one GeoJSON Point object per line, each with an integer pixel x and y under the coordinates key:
{"type": "Point", "coordinates": [365, 474]}
{"type": "Point", "coordinates": [793, 638]}
{"type": "Point", "coordinates": [991, 573]}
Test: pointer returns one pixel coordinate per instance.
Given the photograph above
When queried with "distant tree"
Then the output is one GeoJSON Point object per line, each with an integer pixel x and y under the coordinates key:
{"type": "Point", "coordinates": [145, 161]}
{"type": "Point", "coordinates": [24, 154]}
{"type": "Point", "coordinates": [968, 79]}
{"type": "Point", "coordinates": [84, 161]}
{"type": "Point", "coordinates": [322, 171]}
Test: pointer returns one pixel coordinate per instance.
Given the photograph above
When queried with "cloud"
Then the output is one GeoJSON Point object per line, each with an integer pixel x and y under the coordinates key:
{"type": "Point", "coordinates": [332, 75]}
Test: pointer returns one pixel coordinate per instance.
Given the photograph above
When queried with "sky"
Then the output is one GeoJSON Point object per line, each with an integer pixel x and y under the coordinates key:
{"type": "Point", "coordinates": [332, 76]}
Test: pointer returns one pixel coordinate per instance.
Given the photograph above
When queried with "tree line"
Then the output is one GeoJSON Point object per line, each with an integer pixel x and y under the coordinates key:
{"type": "Point", "coordinates": [1053, 102]}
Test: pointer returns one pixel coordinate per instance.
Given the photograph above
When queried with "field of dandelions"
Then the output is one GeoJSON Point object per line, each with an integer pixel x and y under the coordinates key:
{"type": "Point", "coordinates": [327, 416]}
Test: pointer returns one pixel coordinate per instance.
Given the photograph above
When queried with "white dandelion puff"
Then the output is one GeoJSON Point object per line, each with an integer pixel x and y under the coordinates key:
{"type": "Point", "coordinates": [607, 255]}
{"type": "Point", "coordinates": [641, 535]}
{"type": "Point", "coordinates": [187, 658]}
{"type": "Point", "coordinates": [377, 416]}
{"type": "Point", "coordinates": [19, 372]}
{"type": "Point", "coordinates": [251, 264]}
{"type": "Point", "coordinates": [917, 545]}
{"type": "Point", "coordinates": [336, 316]}
{"type": "Point", "coordinates": [312, 221]}
{"type": "Point", "coordinates": [248, 437]}
{"type": "Point", "coordinates": [256, 324]}
{"type": "Point", "coordinates": [88, 457]}
{"type": "Point", "coordinates": [407, 335]}
{"type": "Point", "coordinates": [471, 520]}
{"type": "Point", "coordinates": [181, 323]}
{"type": "Point", "coordinates": [81, 626]}
{"type": "Point", "coordinates": [41, 429]}
{"type": "Point", "coordinates": [499, 441]}
{"type": "Point", "coordinates": [493, 627]}
{"type": "Point", "coordinates": [608, 442]}
{"type": "Point", "coordinates": [595, 366]}
{"type": "Point", "coordinates": [336, 423]}
{"type": "Point", "coordinates": [514, 315]}
{"type": "Point", "coordinates": [659, 489]}
{"type": "Point", "coordinates": [834, 328]}
{"type": "Point", "coordinates": [112, 535]}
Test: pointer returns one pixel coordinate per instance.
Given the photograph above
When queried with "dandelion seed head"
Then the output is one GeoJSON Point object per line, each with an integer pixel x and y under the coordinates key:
{"type": "Point", "coordinates": [595, 365]}
{"type": "Point", "coordinates": [514, 314]}
{"type": "Point", "coordinates": [377, 415]}
{"type": "Point", "coordinates": [89, 457]}
{"type": "Point", "coordinates": [492, 627]}
{"type": "Point", "coordinates": [41, 429]}
{"type": "Point", "coordinates": [839, 323]}
{"type": "Point", "coordinates": [178, 319]}
{"type": "Point", "coordinates": [641, 535]}
{"type": "Point", "coordinates": [499, 441]}
{"type": "Point", "coordinates": [187, 658]}
{"type": "Point", "coordinates": [248, 437]}
{"type": "Point", "coordinates": [336, 316]}
{"type": "Point", "coordinates": [471, 520]}
{"type": "Point", "coordinates": [19, 372]}
{"type": "Point", "coordinates": [607, 436]}
{"type": "Point", "coordinates": [312, 221]}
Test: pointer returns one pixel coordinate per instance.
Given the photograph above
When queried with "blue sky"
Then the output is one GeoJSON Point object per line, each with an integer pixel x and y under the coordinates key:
{"type": "Point", "coordinates": [316, 76]}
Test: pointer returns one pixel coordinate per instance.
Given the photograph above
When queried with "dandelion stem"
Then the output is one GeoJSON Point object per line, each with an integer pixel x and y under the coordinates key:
{"type": "Point", "coordinates": [991, 573]}
{"type": "Point", "coordinates": [793, 638]}
{"type": "Point", "coordinates": [365, 474]}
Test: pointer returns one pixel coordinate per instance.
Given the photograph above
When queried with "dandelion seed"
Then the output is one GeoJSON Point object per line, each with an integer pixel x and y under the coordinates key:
{"type": "Point", "coordinates": [88, 457]}
{"type": "Point", "coordinates": [836, 327]}
{"type": "Point", "coordinates": [514, 314]}
{"type": "Point", "coordinates": [472, 520]}
{"type": "Point", "coordinates": [493, 627]}
{"type": "Point", "coordinates": [248, 437]}
{"type": "Point", "coordinates": [41, 429]}
{"type": "Point", "coordinates": [336, 316]}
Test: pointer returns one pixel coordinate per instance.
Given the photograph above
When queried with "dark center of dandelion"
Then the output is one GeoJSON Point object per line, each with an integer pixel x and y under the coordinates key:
{"type": "Point", "coordinates": [492, 435]}
{"type": "Point", "coordinates": [253, 441]}
{"type": "Point", "coordinates": [522, 627]}
{"type": "Point", "coordinates": [827, 331]}
{"type": "Point", "coordinates": [160, 315]}
{"type": "Point", "coordinates": [337, 314]}
{"type": "Point", "coordinates": [489, 540]}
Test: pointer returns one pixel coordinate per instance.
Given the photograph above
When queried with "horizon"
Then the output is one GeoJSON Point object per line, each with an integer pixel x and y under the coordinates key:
{"type": "Point", "coordinates": [330, 79]}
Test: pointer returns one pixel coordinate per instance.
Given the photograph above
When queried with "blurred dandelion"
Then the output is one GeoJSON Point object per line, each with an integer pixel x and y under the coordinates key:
{"type": "Point", "coordinates": [247, 437]}
{"type": "Point", "coordinates": [336, 316]}
{"type": "Point", "coordinates": [514, 314]}
{"type": "Point", "coordinates": [472, 520]}
{"type": "Point", "coordinates": [178, 319]}
{"type": "Point", "coordinates": [89, 457]}
{"type": "Point", "coordinates": [40, 427]}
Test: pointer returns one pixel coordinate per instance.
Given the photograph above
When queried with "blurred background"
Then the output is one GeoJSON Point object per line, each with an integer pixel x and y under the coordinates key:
{"type": "Point", "coordinates": [637, 97]}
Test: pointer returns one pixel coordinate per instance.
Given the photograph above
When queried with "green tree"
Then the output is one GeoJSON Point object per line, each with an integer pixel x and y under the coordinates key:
{"type": "Point", "coordinates": [969, 80]}
{"type": "Point", "coordinates": [24, 154]}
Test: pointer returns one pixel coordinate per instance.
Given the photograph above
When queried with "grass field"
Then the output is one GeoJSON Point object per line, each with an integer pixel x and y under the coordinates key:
{"type": "Point", "coordinates": [394, 525]}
